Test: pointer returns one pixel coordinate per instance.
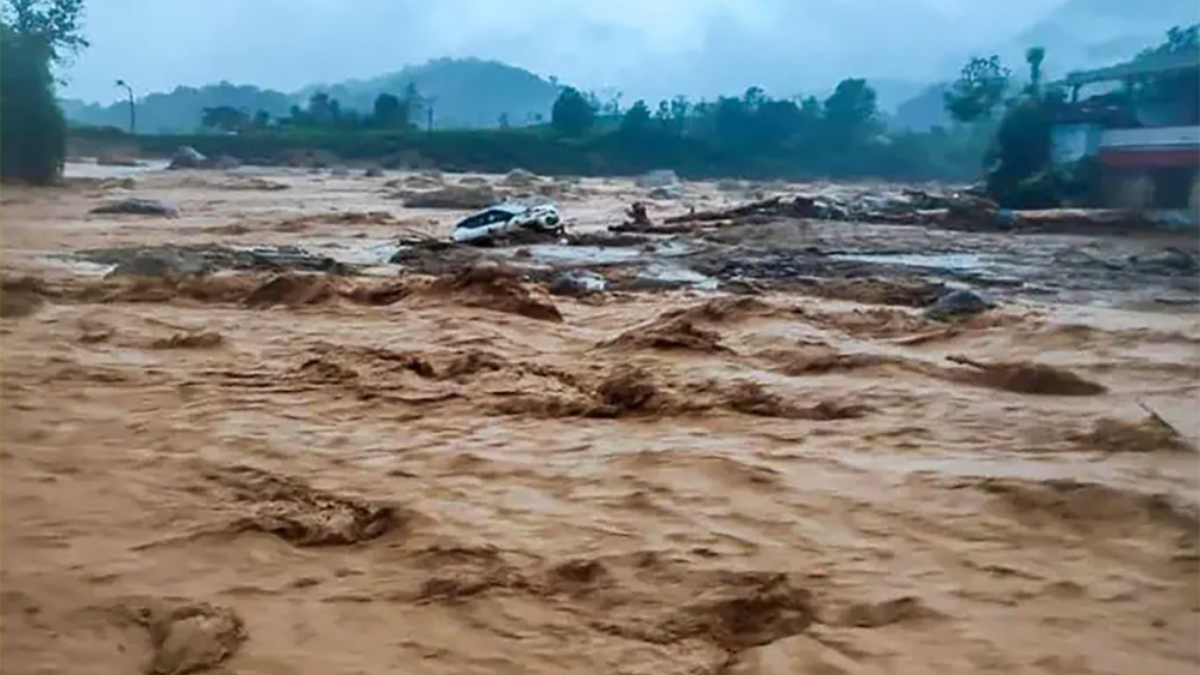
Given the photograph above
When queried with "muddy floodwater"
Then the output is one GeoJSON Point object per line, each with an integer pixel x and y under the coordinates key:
{"type": "Point", "coordinates": [321, 444]}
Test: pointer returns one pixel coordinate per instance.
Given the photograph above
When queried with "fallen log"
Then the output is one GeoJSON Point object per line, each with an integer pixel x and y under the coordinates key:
{"type": "Point", "coordinates": [771, 205]}
{"type": "Point", "coordinates": [642, 228]}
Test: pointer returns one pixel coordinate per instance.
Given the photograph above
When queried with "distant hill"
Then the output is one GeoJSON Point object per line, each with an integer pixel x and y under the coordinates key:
{"type": "Point", "coordinates": [890, 93]}
{"type": "Point", "coordinates": [178, 110]}
{"type": "Point", "coordinates": [923, 111]}
{"type": "Point", "coordinates": [464, 93]}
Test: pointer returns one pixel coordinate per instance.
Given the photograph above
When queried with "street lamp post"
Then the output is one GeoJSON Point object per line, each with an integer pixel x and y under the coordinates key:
{"type": "Point", "coordinates": [132, 107]}
{"type": "Point", "coordinates": [429, 114]}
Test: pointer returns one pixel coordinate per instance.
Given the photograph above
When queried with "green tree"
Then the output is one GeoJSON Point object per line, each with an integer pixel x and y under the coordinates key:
{"type": "Point", "coordinates": [390, 112]}
{"type": "Point", "coordinates": [224, 118]}
{"type": "Point", "coordinates": [731, 123]}
{"type": "Point", "coordinates": [572, 115]}
{"type": "Point", "coordinates": [636, 120]}
{"type": "Point", "coordinates": [979, 89]}
{"type": "Point", "coordinates": [1019, 171]}
{"type": "Point", "coordinates": [663, 112]}
{"type": "Point", "coordinates": [34, 35]}
{"type": "Point", "coordinates": [297, 117]}
{"type": "Point", "coordinates": [1034, 57]}
{"type": "Point", "coordinates": [1180, 40]}
{"type": "Point", "coordinates": [321, 110]}
{"type": "Point", "coordinates": [754, 97]}
{"type": "Point", "coordinates": [679, 109]}
{"type": "Point", "coordinates": [850, 112]}
{"type": "Point", "coordinates": [776, 122]}
{"type": "Point", "coordinates": [56, 23]}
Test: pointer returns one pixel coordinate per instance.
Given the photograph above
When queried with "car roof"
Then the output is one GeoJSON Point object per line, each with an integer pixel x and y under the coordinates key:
{"type": "Point", "coordinates": [509, 208]}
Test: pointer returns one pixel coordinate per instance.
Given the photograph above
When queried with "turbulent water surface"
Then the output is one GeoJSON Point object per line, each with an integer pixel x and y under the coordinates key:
{"type": "Point", "coordinates": [344, 473]}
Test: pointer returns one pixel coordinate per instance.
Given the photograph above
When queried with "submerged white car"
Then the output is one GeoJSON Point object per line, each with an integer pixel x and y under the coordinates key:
{"type": "Point", "coordinates": [502, 219]}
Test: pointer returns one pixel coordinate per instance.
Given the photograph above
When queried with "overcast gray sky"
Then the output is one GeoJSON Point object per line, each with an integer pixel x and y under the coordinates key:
{"type": "Point", "coordinates": [642, 47]}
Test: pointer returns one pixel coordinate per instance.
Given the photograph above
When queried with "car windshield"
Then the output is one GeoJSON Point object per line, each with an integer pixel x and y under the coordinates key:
{"type": "Point", "coordinates": [485, 218]}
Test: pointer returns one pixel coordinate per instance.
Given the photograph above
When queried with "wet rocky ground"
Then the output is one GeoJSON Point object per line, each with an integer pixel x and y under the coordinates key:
{"type": "Point", "coordinates": [707, 237]}
{"type": "Point", "coordinates": [1064, 268]}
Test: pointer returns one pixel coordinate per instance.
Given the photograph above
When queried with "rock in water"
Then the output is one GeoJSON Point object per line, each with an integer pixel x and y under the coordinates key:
{"type": "Point", "coordinates": [137, 207]}
{"type": "Point", "coordinates": [225, 162]}
{"type": "Point", "coordinates": [161, 264]}
{"type": "Point", "coordinates": [661, 178]}
{"type": "Point", "coordinates": [187, 157]}
{"type": "Point", "coordinates": [453, 197]}
{"type": "Point", "coordinates": [669, 192]}
{"type": "Point", "coordinates": [109, 159]}
{"type": "Point", "coordinates": [520, 178]}
{"type": "Point", "coordinates": [958, 303]}
{"type": "Point", "coordinates": [577, 283]}
{"type": "Point", "coordinates": [1170, 260]}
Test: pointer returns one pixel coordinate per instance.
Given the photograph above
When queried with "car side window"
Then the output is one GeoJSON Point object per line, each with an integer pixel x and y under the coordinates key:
{"type": "Point", "coordinates": [478, 220]}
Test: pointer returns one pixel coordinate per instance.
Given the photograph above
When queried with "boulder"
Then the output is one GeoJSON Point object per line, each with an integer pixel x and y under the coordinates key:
{"type": "Point", "coordinates": [659, 178]}
{"type": "Point", "coordinates": [224, 162]}
{"type": "Point", "coordinates": [958, 303]}
{"type": "Point", "coordinates": [322, 159]}
{"type": "Point", "coordinates": [187, 157]}
{"type": "Point", "coordinates": [112, 159]}
{"type": "Point", "coordinates": [1168, 261]}
{"type": "Point", "coordinates": [520, 178]}
{"type": "Point", "coordinates": [136, 206]}
{"type": "Point", "coordinates": [667, 192]}
{"type": "Point", "coordinates": [453, 197]}
{"type": "Point", "coordinates": [161, 264]}
{"type": "Point", "coordinates": [577, 283]}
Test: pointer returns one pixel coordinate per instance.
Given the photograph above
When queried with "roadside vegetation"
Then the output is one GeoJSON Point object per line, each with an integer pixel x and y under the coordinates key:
{"type": "Point", "coordinates": [750, 135]}
{"type": "Point", "coordinates": [35, 37]}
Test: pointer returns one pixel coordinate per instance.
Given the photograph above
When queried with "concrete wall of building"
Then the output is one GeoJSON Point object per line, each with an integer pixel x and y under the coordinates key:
{"type": "Point", "coordinates": [1154, 137]}
{"type": "Point", "coordinates": [1134, 191]}
{"type": "Point", "coordinates": [1160, 114]}
{"type": "Point", "coordinates": [1147, 189]}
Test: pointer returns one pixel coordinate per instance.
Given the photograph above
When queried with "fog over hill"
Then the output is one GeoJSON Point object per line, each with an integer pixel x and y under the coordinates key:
{"type": "Point", "coordinates": [698, 48]}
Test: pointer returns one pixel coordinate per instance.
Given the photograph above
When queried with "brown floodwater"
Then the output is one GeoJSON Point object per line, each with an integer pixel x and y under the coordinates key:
{"type": "Point", "coordinates": [390, 473]}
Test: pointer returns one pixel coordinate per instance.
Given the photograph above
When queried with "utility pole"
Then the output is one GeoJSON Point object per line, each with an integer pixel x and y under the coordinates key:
{"type": "Point", "coordinates": [132, 107]}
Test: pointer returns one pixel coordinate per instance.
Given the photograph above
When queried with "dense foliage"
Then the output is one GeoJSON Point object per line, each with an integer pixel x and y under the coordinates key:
{"type": "Point", "coordinates": [34, 35]}
{"type": "Point", "coordinates": [752, 135]}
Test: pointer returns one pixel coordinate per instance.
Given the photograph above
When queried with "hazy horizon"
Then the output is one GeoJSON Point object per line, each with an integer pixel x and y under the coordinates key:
{"type": "Point", "coordinates": [645, 49]}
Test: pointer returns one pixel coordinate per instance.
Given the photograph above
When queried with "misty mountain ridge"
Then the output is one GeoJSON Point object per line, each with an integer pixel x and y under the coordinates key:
{"type": "Point", "coordinates": [462, 92]}
{"type": "Point", "coordinates": [473, 92]}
